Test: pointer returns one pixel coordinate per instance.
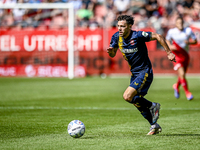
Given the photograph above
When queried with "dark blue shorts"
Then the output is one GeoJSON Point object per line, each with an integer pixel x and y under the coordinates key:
{"type": "Point", "coordinates": [141, 81]}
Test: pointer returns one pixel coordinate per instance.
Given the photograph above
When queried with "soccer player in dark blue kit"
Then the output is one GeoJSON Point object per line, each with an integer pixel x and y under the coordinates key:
{"type": "Point", "coordinates": [132, 46]}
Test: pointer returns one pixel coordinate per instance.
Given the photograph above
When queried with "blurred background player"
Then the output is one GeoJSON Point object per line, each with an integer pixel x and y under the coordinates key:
{"type": "Point", "coordinates": [179, 39]}
{"type": "Point", "coordinates": [132, 45]}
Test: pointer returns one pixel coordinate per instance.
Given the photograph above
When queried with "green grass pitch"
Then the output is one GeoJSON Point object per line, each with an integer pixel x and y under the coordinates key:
{"type": "Point", "coordinates": [35, 112]}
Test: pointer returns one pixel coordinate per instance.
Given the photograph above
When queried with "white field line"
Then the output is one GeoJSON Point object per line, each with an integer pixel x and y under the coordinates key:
{"type": "Point", "coordinates": [85, 108]}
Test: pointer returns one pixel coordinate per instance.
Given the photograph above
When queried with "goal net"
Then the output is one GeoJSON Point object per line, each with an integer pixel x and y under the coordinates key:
{"type": "Point", "coordinates": [37, 40]}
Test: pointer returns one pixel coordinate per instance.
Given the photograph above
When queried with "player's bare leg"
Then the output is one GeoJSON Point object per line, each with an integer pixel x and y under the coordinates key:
{"type": "Point", "coordinates": [176, 88]}
{"type": "Point", "coordinates": [149, 110]}
{"type": "Point", "coordinates": [183, 81]}
{"type": "Point", "coordinates": [129, 93]}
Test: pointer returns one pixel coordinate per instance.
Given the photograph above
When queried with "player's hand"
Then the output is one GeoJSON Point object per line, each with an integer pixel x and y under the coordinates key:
{"type": "Point", "coordinates": [110, 49]}
{"type": "Point", "coordinates": [171, 57]}
{"type": "Point", "coordinates": [187, 42]}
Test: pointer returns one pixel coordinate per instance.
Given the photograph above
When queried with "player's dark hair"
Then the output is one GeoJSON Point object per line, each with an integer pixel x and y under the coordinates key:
{"type": "Point", "coordinates": [129, 19]}
{"type": "Point", "coordinates": [180, 17]}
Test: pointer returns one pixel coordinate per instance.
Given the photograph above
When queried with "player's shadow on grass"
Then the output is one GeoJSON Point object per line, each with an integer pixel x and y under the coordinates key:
{"type": "Point", "coordinates": [180, 135]}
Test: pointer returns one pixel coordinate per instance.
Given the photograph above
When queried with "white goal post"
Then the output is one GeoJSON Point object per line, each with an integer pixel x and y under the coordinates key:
{"type": "Point", "coordinates": [70, 8]}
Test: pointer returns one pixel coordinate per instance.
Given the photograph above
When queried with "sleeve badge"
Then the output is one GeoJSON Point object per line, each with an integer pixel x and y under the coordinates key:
{"type": "Point", "coordinates": [144, 34]}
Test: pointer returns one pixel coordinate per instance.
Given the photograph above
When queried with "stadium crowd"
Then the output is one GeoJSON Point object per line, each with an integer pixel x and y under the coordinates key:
{"type": "Point", "coordinates": [157, 14]}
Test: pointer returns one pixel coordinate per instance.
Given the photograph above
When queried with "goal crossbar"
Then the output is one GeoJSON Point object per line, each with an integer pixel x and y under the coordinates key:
{"type": "Point", "coordinates": [70, 8]}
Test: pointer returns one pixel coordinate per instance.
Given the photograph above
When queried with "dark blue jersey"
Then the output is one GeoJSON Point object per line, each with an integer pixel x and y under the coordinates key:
{"type": "Point", "coordinates": [133, 49]}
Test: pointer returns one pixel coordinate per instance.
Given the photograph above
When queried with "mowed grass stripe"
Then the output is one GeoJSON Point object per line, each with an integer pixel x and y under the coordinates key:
{"type": "Point", "coordinates": [89, 108]}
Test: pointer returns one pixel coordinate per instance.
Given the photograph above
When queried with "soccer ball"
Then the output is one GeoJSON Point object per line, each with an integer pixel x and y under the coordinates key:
{"type": "Point", "coordinates": [76, 128]}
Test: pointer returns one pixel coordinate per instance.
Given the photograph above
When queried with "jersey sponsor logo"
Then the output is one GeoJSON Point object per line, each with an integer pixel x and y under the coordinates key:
{"type": "Point", "coordinates": [129, 50]}
{"type": "Point", "coordinates": [144, 34]}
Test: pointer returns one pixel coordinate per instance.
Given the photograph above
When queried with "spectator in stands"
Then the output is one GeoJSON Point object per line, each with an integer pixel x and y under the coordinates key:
{"type": "Point", "coordinates": [103, 13]}
{"type": "Point", "coordinates": [187, 4]}
{"type": "Point", "coordinates": [136, 6]}
{"type": "Point", "coordinates": [6, 15]}
{"type": "Point", "coordinates": [76, 3]}
{"type": "Point", "coordinates": [141, 19]}
{"type": "Point", "coordinates": [195, 11]}
{"type": "Point", "coordinates": [86, 2]}
{"type": "Point", "coordinates": [100, 12]}
{"type": "Point", "coordinates": [122, 6]}
{"type": "Point", "coordinates": [84, 14]}
{"type": "Point", "coordinates": [18, 13]}
{"type": "Point", "coordinates": [57, 21]}
{"type": "Point", "coordinates": [110, 4]}
{"type": "Point", "coordinates": [7, 20]}
{"type": "Point", "coordinates": [170, 6]}
{"type": "Point", "coordinates": [152, 7]}
{"type": "Point", "coordinates": [111, 14]}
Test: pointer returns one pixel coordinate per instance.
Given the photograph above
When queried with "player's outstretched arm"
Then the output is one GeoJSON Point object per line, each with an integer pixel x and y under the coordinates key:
{"type": "Point", "coordinates": [171, 46]}
{"type": "Point", "coordinates": [112, 51]}
{"type": "Point", "coordinates": [191, 42]}
{"type": "Point", "coordinates": [163, 42]}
